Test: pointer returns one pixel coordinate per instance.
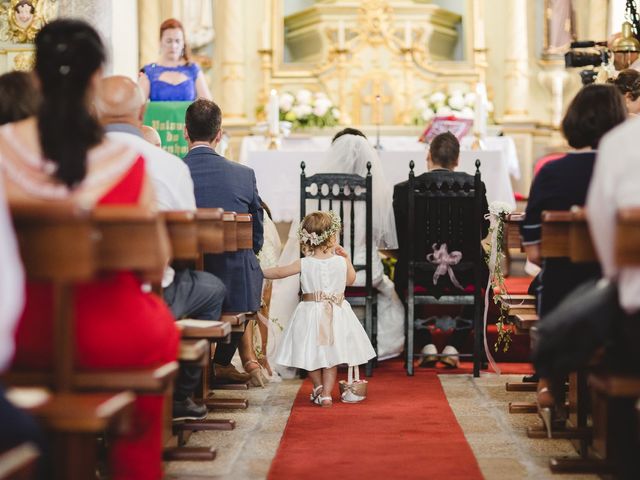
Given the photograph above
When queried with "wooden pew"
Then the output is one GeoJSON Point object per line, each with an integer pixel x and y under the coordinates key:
{"type": "Point", "coordinates": [58, 245]}
{"type": "Point", "coordinates": [614, 395]}
{"type": "Point", "coordinates": [19, 463]}
{"type": "Point", "coordinates": [512, 238]}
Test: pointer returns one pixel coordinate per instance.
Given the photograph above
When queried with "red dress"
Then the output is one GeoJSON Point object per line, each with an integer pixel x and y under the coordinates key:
{"type": "Point", "coordinates": [117, 326]}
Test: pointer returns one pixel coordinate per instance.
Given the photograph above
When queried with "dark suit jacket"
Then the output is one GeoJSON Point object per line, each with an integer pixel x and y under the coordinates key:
{"type": "Point", "coordinates": [220, 183]}
{"type": "Point", "coordinates": [401, 211]}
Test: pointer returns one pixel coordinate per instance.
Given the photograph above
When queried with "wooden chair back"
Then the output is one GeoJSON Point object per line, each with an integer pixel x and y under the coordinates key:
{"type": "Point", "coordinates": [580, 245]}
{"type": "Point", "coordinates": [132, 239]}
{"type": "Point", "coordinates": [183, 234]}
{"type": "Point", "coordinates": [58, 244]}
{"type": "Point", "coordinates": [445, 212]}
{"type": "Point", "coordinates": [341, 193]}
{"type": "Point", "coordinates": [627, 253]}
{"type": "Point", "coordinates": [244, 231]}
{"type": "Point", "coordinates": [555, 233]}
{"type": "Point", "coordinates": [211, 231]}
{"type": "Point", "coordinates": [230, 232]}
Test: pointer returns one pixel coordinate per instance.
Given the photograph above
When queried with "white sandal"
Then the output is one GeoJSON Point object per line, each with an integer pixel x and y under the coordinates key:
{"type": "Point", "coordinates": [319, 399]}
{"type": "Point", "coordinates": [316, 391]}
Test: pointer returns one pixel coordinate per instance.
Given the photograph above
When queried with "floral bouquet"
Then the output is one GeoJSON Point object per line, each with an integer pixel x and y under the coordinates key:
{"type": "Point", "coordinates": [308, 109]}
{"type": "Point", "coordinates": [457, 103]}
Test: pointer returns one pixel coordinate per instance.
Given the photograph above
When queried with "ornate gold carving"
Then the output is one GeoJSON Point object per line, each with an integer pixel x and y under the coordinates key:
{"type": "Point", "coordinates": [24, 61]}
{"type": "Point", "coordinates": [21, 20]}
{"type": "Point", "coordinates": [376, 21]}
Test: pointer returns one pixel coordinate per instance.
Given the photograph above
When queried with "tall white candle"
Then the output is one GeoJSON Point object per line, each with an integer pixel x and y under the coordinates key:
{"type": "Point", "coordinates": [273, 113]}
{"type": "Point", "coordinates": [407, 34]}
{"type": "Point", "coordinates": [266, 43]}
{"type": "Point", "coordinates": [341, 35]}
{"type": "Point", "coordinates": [480, 114]}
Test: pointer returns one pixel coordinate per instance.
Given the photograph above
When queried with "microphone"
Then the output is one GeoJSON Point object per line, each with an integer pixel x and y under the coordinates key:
{"type": "Point", "coordinates": [587, 44]}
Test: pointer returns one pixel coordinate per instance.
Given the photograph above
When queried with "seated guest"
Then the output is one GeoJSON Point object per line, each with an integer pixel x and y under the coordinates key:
{"type": "Point", "coordinates": [561, 184]}
{"type": "Point", "coordinates": [19, 96]}
{"type": "Point", "coordinates": [120, 106]}
{"type": "Point", "coordinates": [628, 82]}
{"type": "Point", "coordinates": [151, 135]}
{"type": "Point", "coordinates": [614, 185]}
{"type": "Point", "coordinates": [117, 324]}
{"type": "Point", "coordinates": [442, 160]}
{"type": "Point", "coordinates": [220, 183]}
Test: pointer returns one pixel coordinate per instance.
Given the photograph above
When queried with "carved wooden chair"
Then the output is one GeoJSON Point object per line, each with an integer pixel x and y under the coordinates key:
{"type": "Point", "coordinates": [444, 212]}
{"type": "Point", "coordinates": [342, 192]}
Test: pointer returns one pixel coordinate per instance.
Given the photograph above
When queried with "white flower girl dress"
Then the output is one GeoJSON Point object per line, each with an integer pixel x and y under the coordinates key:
{"type": "Point", "coordinates": [323, 331]}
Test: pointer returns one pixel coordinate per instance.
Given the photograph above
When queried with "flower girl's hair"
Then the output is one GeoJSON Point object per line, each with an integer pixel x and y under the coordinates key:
{"type": "Point", "coordinates": [317, 231]}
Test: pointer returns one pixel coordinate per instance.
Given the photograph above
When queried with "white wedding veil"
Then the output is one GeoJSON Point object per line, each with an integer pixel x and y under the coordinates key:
{"type": "Point", "coordinates": [350, 154]}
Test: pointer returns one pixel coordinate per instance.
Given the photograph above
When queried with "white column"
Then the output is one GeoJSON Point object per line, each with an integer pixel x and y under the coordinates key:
{"type": "Point", "coordinates": [517, 62]}
{"type": "Point", "coordinates": [124, 51]}
{"type": "Point", "coordinates": [233, 59]}
{"type": "Point", "coordinates": [479, 38]}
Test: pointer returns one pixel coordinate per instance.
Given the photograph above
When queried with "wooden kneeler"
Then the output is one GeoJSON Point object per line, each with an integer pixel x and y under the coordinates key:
{"type": "Point", "coordinates": [58, 245]}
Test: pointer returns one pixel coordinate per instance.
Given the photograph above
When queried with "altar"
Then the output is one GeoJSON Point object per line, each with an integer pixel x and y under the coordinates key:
{"type": "Point", "coordinates": [278, 171]}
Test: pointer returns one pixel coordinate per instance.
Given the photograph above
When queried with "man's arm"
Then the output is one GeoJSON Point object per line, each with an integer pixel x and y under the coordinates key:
{"type": "Point", "coordinates": [255, 209]}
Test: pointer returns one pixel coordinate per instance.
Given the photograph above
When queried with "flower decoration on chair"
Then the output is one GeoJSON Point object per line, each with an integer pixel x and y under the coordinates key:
{"type": "Point", "coordinates": [308, 109]}
{"type": "Point", "coordinates": [457, 103]}
{"type": "Point", "coordinates": [313, 239]}
{"type": "Point", "coordinates": [497, 215]}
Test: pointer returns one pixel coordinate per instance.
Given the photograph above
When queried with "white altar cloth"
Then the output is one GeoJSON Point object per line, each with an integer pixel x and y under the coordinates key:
{"type": "Point", "coordinates": [278, 171]}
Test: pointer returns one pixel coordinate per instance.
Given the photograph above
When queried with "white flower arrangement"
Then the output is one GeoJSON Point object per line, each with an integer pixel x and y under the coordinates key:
{"type": "Point", "coordinates": [308, 109]}
{"type": "Point", "coordinates": [457, 103]}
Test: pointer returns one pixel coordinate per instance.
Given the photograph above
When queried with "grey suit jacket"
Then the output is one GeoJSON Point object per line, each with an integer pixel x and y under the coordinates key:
{"type": "Point", "coordinates": [220, 183]}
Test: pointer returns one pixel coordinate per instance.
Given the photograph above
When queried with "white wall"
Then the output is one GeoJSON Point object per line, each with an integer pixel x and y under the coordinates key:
{"type": "Point", "coordinates": [124, 38]}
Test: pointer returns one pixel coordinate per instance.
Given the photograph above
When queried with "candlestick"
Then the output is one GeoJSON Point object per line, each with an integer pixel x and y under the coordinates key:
{"type": "Point", "coordinates": [407, 34]}
{"type": "Point", "coordinates": [378, 145]}
{"type": "Point", "coordinates": [341, 35]}
{"type": "Point", "coordinates": [274, 113]}
{"type": "Point", "coordinates": [266, 43]}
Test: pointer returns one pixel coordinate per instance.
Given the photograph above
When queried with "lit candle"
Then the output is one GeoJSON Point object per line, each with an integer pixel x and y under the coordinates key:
{"type": "Point", "coordinates": [341, 35]}
{"type": "Point", "coordinates": [273, 113]}
{"type": "Point", "coordinates": [480, 114]}
{"type": "Point", "coordinates": [407, 34]}
{"type": "Point", "coordinates": [266, 44]}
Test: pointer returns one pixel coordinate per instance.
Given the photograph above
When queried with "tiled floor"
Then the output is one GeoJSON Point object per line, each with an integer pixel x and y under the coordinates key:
{"type": "Point", "coordinates": [498, 438]}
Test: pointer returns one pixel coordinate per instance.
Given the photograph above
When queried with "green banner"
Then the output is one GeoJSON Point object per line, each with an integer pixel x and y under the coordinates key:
{"type": "Point", "coordinates": [168, 119]}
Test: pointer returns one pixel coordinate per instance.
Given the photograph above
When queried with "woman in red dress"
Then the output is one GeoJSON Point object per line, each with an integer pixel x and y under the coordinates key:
{"type": "Point", "coordinates": [61, 155]}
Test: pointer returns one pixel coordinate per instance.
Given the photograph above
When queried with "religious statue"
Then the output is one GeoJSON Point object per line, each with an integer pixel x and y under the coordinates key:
{"type": "Point", "coordinates": [21, 20]}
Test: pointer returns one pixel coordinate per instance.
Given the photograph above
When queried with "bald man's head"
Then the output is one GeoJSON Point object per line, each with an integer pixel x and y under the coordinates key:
{"type": "Point", "coordinates": [151, 135]}
{"type": "Point", "coordinates": [119, 100]}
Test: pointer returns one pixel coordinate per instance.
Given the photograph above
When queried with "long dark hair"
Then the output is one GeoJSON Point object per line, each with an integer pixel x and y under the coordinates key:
{"type": "Point", "coordinates": [68, 53]}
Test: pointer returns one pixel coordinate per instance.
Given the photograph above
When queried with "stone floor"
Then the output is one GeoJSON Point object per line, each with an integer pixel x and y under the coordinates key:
{"type": "Point", "coordinates": [498, 438]}
{"type": "Point", "coordinates": [246, 452]}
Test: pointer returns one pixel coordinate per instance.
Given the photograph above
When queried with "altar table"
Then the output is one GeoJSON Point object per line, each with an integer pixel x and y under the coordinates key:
{"type": "Point", "coordinates": [278, 171]}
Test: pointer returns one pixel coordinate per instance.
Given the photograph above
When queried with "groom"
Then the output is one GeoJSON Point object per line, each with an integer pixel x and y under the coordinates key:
{"type": "Point", "coordinates": [442, 160]}
{"type": "Point", "coordinates": [220, 183]}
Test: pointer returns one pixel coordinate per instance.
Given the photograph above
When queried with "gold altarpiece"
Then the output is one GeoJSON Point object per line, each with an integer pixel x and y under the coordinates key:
{"type": "Point", "coordinates": [388, 54]}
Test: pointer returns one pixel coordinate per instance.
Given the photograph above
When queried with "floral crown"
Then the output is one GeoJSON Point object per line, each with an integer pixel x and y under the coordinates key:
{"type": "Point", "coordinates": [313, 239]}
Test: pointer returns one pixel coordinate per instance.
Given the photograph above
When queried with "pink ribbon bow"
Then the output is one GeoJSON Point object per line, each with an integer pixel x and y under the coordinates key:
{"type": "Point", "coordinates": [444, 260]}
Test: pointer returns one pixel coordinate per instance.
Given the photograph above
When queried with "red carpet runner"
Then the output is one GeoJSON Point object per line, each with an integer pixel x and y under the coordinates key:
{"type": "Point", "coordinates": [404, 429]}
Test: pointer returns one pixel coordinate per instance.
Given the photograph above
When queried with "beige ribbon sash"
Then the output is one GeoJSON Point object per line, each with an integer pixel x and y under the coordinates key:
{"type": "Point", "coordinates": [325, 326]}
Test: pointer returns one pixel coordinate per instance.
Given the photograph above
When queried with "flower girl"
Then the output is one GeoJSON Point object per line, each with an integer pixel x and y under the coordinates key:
{"type": "Point", "coordinates": [323, 331]}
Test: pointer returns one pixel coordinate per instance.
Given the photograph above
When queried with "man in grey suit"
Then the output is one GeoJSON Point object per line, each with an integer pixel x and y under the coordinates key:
{"type": "Point", "coordinates": [220, 183]}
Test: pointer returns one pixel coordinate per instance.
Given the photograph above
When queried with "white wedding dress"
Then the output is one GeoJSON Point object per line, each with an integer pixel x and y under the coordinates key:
{"type": "Point", "coordinates": [350, 154]}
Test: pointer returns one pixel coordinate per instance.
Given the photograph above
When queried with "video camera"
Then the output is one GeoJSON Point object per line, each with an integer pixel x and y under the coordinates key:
{"type": "Point", "coordinates": [587, 54]}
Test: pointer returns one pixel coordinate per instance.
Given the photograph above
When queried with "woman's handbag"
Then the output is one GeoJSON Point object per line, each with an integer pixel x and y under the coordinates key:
{"type": "Point", "coordinates": [353, 390]}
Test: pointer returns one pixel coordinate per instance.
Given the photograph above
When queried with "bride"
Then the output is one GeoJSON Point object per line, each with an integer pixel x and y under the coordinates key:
{"type": "Point", "coordinates": [349, 153]}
